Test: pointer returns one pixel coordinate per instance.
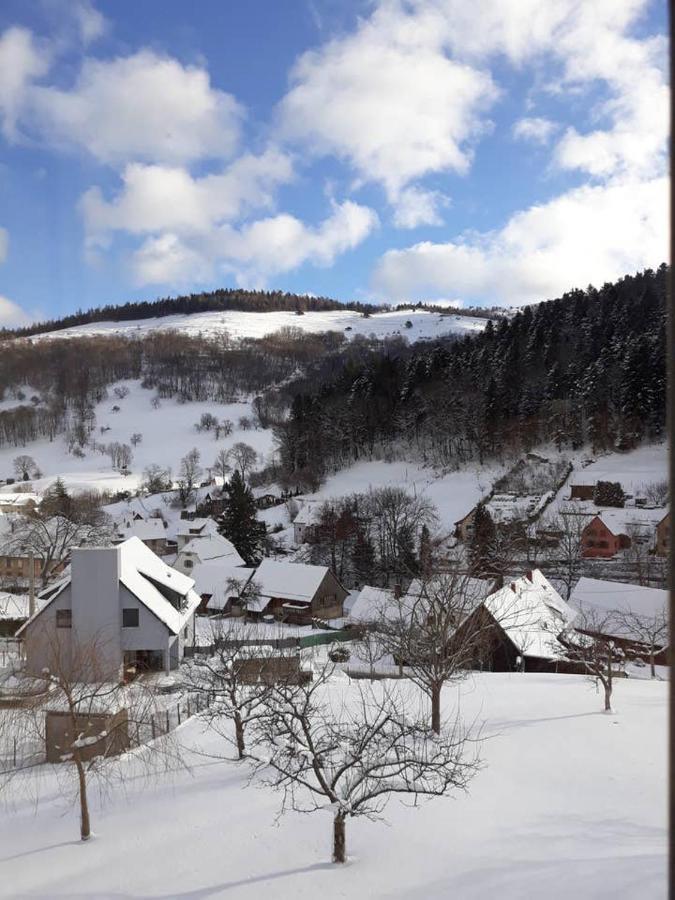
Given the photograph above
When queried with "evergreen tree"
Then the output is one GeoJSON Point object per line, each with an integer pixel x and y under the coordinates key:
{"type": "Point", "coordinates": [57, 501]}
{"type": "Point", "coordinates": [363, 558]}
{"type": "Point", "coordinates": [239, 524]}
{"type": "Point", "coordinates": [483, 542]}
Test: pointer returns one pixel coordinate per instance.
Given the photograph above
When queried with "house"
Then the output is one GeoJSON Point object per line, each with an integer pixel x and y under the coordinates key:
{"type": "Point", "coordinates": [124, 600]}
{"type": "Point", "coordinates": [582, 491]}
{"type": "Point", "coordinates": [265, 501]}
{"type": "Point", "coordinates": [613, 529]}
{"type": "Point", "coordinates": [613, 603]}
{"type": "Point", "coordinates": [662, 536]}
{"type": "Point", "coordinates": [599, 541]}
{"type": "Point", "coordinates": [371, 605]}
{"type": "Point", "coordinates": [464, 528]}
{"type": "Point", "coordinates": [518, 627]}
{"type": "Point", "coordinates": [206, 549]}
{"type": "Point", "coordinates": [189, 529]}
{"type": "Point", "coordinates": [216, 583]}
{"type": "Point", "coordinates": [306, 521]}
{"type": "Point", "coordinates": [19, 502]}
{"type": "Point", "coordinates": [151, 531]}
{"type": "Point", "coordinates": [295, 593]}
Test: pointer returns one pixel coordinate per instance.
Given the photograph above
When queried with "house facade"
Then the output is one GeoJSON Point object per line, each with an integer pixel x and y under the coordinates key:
{"type": "Point", "coordinates": [598, 541]}
{"type": "Point", "coordinates": [151, 531]}
{"type": "Point", "coordinates": [134, 609]}
{"type": "Point", "coordinates": [662, 541]}
{"type": "Point", "coordinates": [294, 593]}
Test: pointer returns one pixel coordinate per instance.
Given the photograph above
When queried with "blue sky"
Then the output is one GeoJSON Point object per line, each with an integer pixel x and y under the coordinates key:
{"type": "Point", "coordinates": [483, 152]}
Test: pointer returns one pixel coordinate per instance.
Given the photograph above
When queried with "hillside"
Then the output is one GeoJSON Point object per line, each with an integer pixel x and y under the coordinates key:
{"type": "Point", "coordinates": [424, 324]}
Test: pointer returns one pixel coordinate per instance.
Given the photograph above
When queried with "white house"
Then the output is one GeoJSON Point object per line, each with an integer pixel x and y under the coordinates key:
{"type": "Point", "coordinates": [151, 531]}
{"type": "Point", "coordinates": [209, 549]}
{"type": "Point", "coordinates": [306, 521]}
{"type": "Point", "coordinates": [189, 529]}
{"type": "Point", "coordinates": [137, 611]}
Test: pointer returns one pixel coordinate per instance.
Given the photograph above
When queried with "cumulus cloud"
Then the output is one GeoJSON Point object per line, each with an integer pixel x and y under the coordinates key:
{"type": "Point", "coordinates": [389, 100]}
{"type": "Point", "coordinates": [589, 235]}
{"type": "Point", "coordinates": [12, 315]}
{"type": "Point", "coordinates": [91, 23]}
{"type": "Point", "coordinates": [416, 206]}
{"type": "Point", "coordinates": [143, 107]}
{"type": "Point", "coordinates": [255, 251]}
{"type": "Point", "coordinates": [535, 129]}
{"type": "Point", "coordinates": [22, 60]}
{"type": "Point", "coordinates": [157, 198]}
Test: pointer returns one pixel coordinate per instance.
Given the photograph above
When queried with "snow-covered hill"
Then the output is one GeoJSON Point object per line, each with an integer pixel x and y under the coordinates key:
{"type": "Point", "coordinates": [425, 325]}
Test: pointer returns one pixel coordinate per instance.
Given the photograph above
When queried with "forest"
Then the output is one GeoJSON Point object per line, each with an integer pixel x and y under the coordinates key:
{"type": "Point", "coordinates": [589, 367]}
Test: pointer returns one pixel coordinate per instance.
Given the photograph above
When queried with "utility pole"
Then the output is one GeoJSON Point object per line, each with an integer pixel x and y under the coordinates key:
{"type": "Point", "coordinates": [31, 585]}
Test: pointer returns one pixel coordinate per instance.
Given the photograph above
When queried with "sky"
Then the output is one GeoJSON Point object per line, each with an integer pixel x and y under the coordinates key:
{"type": "Point", "coordinates": [484, 152]}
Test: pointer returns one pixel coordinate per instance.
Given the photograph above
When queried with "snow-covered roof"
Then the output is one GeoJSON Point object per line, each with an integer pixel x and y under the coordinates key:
{"type": "Point", "coordinates": [288, 580]}
{"type": "Point", "coordinates": [532, 613]}
{"type": "Point", "coordinates": [140, 567]}
{"type": "Point", "coordinates": [19, 499]}
{"type": "Point", "coordinates": [371, 604]}
{"type": "Point", "coordinates": [144, 529]}
{"type": "Point", "coordinates": [212, 547]}
{"type": "Point", "coordinates": [308, 513]}
{"type": "Point", "coordinates": [593, 594]}
{"type": "Point", "coordinates": [212, 578]}
{"type": "Point", "coordinates": [196, 527]}
{"type": "Point", "coordinates": [14, 606]}
{"type": "Point", "coordinates": [623, 521]}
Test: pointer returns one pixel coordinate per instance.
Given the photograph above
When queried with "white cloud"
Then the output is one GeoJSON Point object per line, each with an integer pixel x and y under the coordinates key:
{"type": "Point", "coordinates": [12, 315]}
{"type": "Point", "coordinates": [162, 198]}
{"type": "Point", "coordinates": [21, 61]}
{"type": "Point", "coordinates": [535, 129]}
{"type": "Point", "coordinates": [254, 252]}
{"type": "Point", "coordinates": [143, 107]}
{"type": "Point", "coordinates": [589, 235]}
{"type": "Point", "coordinates": [416, 206]}
{"type": "Point", "coordinates": [388, 100]}
{"type": "Point", "coordinates": [91, 23]}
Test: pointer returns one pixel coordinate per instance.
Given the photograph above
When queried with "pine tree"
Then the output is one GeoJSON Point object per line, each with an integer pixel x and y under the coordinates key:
{"type": "Point", "coordinates": [483, 541]}
{"type": "Point", "coordinates": [239, 524]}
{"type": "Point", "coordinates": [57, 501]}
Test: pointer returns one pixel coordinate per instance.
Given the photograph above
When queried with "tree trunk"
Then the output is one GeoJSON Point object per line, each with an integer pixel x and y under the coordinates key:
{"type": "Point", "coordinates": [652, 664]}
{"type": "Point", "coordinates": [239, 733]}
{"type": "Point", "coordinates": [85, 828]}
{"type": "Point", "coordinates": [339, 840]}
{"type": "Point", "coordinates": [608, 698]}
{"type": "Point", "coordinates": [436, 708]}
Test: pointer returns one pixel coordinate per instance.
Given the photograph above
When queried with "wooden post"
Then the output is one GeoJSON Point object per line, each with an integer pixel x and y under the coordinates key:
{"type": "Point", "coordinates": [152, 723]}
{"type": "Point", "coordinates": [14, 753]}
{"type": "Point", "coordinates": [168, 727]}
{"type": "Point", "coordinates": [178, 711]}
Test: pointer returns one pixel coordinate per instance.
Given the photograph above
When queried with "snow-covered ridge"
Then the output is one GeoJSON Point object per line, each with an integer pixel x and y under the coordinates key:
{"type": "Point", "coordinates": [425, 325]}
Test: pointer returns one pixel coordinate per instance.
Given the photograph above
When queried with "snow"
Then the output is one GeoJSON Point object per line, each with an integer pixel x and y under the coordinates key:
{"type": "Point", "coordinates": [370, 604]}
{"type": "Point", "coordinates": [533, 614]}
{"type": "Point", "coordinates": [287, 580]}
{"type": "Point", "coordinates": [607, 596]}
{"type": "Point", "coordinates": [168, 433]}
{"type": "Point", "coordinates": [209, 548]}
{"type": "Point", "coordinates": [644, 465]}
{"type": "Point", "coordinates": [144, 529]}
{"type": "Point", "coordinates": [14, 606]}
{"type": "Point", "coordinates": [425, 325]}
{"type": "Point", "coordinates": [571, 803]}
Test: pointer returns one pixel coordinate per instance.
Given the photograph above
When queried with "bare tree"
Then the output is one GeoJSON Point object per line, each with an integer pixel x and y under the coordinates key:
{"type": "Point", "coordinates": [136, 439]}
{"type": "Point", "coordinates": [566, 556]}
{"type": "Point", "coordinates": [236, 690]}
{"type": "Point", "coordinates": [156, 479]}
{"type": "Point", "coordinates": [243, 457]}
{"type": "Point", "coordinates": [396, 519]}
{"type": "Point", "coordinates": [656, 492]}
{"type": "Point", "coordinates": [221, 464]}
{"type": "Point", "coordinates": [593, 647]}
{"type": "Point", "coordinates": [421, 630]}
{"type": "Point", "coordinates": [51, 538]}
{"type": "Point", "coordinates": [24, 466]}
{"type": "Point", "coordinates": [188, 475]}
{"type": "Point", "coordinates": [82, 714]}
{"type": "Point", "coordinates": [352, 753]}
{"type": "Point", "coordinates": [651, 631]}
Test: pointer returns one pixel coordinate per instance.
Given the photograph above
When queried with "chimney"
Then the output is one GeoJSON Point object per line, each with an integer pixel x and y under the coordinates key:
{"type": "Point", "coordinates": [397, 591]}
{"type": "Point", "coordinates": [528, 575]}
{"type": "Point", "coordinates": [513, 587]}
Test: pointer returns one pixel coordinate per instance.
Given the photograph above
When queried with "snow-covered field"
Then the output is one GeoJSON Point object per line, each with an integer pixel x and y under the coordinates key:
{"type": "Point", "coordinates": [168, 433]}
{"type": "Point", "coordinates": [571, 803]}
{"type": "Point", "coordinates": [425, 325]}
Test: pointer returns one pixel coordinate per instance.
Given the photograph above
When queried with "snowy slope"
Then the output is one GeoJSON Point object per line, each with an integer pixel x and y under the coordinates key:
{"type": "Point", "coordinates": [425, 325]}
{"type": "Point", "coordinates": [571, 803]}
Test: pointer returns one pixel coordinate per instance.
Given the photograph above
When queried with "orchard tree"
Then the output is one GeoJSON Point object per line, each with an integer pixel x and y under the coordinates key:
{"type": "Point", "coordinates": [243, 458]}
{"type": "Point", "coordinates": [189, 475]}
{"type": "Point", "coordinates": [24, 467]}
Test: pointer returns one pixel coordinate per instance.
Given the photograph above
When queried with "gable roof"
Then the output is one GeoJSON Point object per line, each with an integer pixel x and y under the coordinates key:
{"type": "Point", "coordinates": [288, 580]}
{"type": "Point", "coordinates": [145, 529]}
{"type": "Point", "coordinates": [150, 581]}
{"type": "Point", "coordinates": [532, 614]}
{"type": "Point", "coordinates": [610, 596]}
{"type": "Point", "coordinates": [212, 547]}
{"type": "Point", "coordinates": [195, 527]}
{"type": "Point", "coordinates": [371, 604]}
{"type": "Point", "coordinates": [212, 578]}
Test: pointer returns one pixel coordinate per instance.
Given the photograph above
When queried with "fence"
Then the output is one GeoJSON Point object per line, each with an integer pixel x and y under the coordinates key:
{"type": "Point", "coordinates": [11, 651]}
{"type": "Point", "coordinates": [168, 719]}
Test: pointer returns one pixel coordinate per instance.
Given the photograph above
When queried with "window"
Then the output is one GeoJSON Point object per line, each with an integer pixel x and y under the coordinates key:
{"type": "Point", "coordinates": [64, 618]}
{"type": "Point", "coordinates": [188, 564]}
{"type": "Point", "coordinates": [129, 618]}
